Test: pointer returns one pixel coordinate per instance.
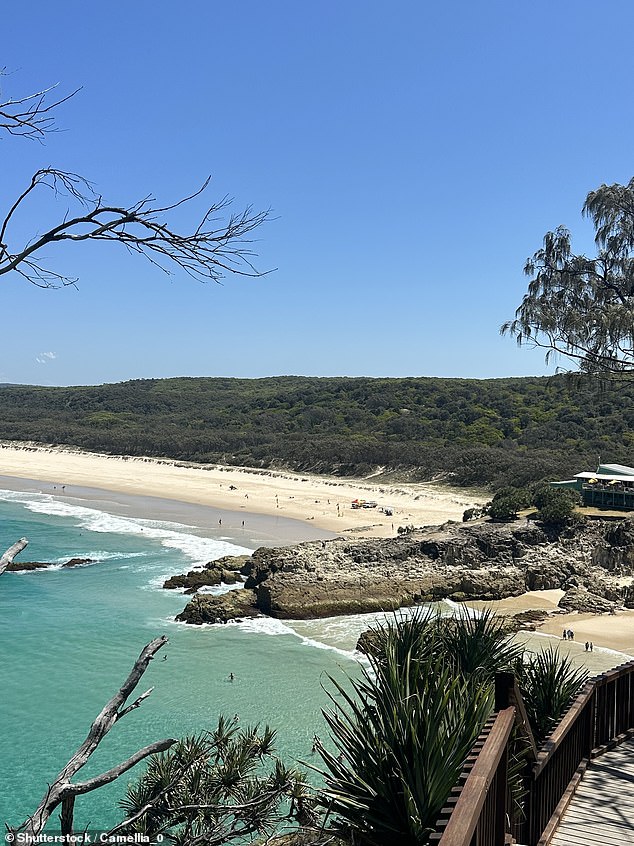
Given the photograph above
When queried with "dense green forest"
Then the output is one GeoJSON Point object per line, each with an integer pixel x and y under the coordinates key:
{"type": "Point", "coordinates": [468, 432]}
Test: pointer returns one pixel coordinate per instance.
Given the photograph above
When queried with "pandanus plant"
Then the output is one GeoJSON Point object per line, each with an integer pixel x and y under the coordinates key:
{"type": "Point", "coordinates": [402, 732]}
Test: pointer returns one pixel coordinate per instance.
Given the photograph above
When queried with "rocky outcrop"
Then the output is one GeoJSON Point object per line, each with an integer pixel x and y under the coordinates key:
{"type": "Point", "coordinates": [20, 566]}
{"type": "Point", "coordinates": [580, 599]}
{"type": "Point", "coordinates": [77, 562]}
{"type": "Point", "coordinates": [233, 605]}
{"type": "Point", "coordinates": [456, 561]}
{"type": "Point", "coordinates": [226, 570]}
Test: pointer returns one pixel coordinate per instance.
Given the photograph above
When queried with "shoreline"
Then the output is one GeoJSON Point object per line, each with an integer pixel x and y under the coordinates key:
{"type": "Point", "coordinates": [322, 500]}
{"type": "Point", "coordinates": [611, 632]}
{"type": "Point", "coordinates": [279, 508]}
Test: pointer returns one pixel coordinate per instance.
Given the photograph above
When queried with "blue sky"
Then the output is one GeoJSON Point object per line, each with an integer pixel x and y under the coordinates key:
{"type": "Point", "coordinates": [413, 154]}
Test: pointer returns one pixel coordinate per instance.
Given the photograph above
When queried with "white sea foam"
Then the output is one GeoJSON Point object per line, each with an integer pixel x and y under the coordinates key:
{"type": "Point", "coordinates": [170, 535]}
{"type": "Point", "coordinates": [98, 556]}
{"type": "Point", "coordinates": [219, 590]}
{"type": "Point", "coordinates": [263, 625]}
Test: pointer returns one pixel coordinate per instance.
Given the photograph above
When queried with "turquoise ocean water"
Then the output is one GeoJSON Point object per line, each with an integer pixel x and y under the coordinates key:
{"type": "Point", "coordinates": [69, 637]}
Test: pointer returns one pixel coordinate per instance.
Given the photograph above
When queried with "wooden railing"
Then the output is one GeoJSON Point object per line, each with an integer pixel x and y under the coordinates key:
{"type": "Point", "coordinates": [479, 811]}
{"type": "Point", "coordinates": [479, 814]}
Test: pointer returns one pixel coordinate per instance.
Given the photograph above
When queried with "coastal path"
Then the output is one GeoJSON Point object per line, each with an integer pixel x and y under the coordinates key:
{"type": "Point", "coordinates": [601, 812]}
{"type": "Point", "coordinates": [577, 787]}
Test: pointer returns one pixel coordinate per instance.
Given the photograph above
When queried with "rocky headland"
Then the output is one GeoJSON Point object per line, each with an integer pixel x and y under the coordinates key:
{"type": "Point", "coordinates": [593, 562]}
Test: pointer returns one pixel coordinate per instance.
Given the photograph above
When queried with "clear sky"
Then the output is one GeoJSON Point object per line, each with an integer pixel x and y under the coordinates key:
{"type": "Point", "coordinates": [413, 154]}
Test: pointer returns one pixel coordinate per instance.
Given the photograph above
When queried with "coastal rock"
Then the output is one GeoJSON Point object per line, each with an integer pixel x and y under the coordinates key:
{"type": "Point", "coordinates": [456, 561]}
{"type": "Point", "coordinates": [525, 620]}
{"type": "Point", "coordinates": [77, 562]}
{"type": "Point", "coordinates": [234, 605]}
{"type": "Point", "coordinates": [580, 599]}
{"type": "Point", "coordinates": [193, 580]}
{"type": "Point", "coordinates": [21, 566]}
{"type": "Point", "coordinates": [225, 570]}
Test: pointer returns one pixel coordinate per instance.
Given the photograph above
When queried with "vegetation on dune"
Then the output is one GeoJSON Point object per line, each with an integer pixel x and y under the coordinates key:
{"type": "Point", "coordinates": [469, 432]}
{"type": "Point", "coordinates": [554, 506]}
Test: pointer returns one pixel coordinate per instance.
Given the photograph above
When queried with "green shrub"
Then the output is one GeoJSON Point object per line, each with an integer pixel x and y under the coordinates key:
{"type": "Point", "coordinates": [556, 505]}
{"type": "Point", "coordinates": [548, 683]}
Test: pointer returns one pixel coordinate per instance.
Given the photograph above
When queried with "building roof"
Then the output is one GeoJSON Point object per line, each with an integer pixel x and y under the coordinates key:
{"type": "Point", "coordinates": [619, 469]}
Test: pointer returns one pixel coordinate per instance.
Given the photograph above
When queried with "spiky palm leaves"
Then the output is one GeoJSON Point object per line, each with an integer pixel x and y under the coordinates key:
{"type": "Point", "coordinates": [478, 644]}
{"type": "Point", "coordinates": [216, 788]}
{"type": "Point", "coordinates": [548, 682]}
{"type": "Point", "coordinates": [402, 733]}
{"type": "Point", "coordinates": [471, 643]}
{"type": "Point", "coordinates": [401, 740]}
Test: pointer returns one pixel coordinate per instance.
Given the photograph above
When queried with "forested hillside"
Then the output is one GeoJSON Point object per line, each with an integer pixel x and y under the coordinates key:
{"type": "Point", "coordinates": [471, 432]}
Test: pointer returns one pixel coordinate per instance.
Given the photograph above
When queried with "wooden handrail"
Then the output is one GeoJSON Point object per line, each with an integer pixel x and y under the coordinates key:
{"type": "Point", "coordinates": [600, 715]}
{"type": "Point", "coordinates": [464, 819]}
{"type": "Point", "coordinates": [556, 737]}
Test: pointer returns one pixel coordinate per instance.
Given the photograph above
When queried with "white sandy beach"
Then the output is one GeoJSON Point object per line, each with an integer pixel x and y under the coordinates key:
{"type": "Point", "coordinates": [324, 500]}
{"type": "Point", "coordinates": [605, 631]}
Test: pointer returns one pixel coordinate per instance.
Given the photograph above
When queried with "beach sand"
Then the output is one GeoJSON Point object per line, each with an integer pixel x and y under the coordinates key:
{"type": "Point", "coordinates": [611, 634]}
{"type": "Point", "coordinates": [325, 501]}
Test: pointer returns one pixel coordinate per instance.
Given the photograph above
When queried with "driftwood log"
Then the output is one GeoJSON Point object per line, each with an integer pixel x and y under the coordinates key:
{"type": "Point", "coordinates": [62, 790]}
{"type": "Point", "coordinates": [12, 551]}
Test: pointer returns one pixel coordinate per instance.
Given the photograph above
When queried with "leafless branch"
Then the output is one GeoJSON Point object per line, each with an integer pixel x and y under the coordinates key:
{"type": "Point", "coordinates": [213, 248]}
{"type": "Point", "coordinates": [31, 116]}
{"type": "Point", "coordinates": [62, 788]}
{"type": "Point", "coordinates": [12, 551]}
{"type": "Point", "coordinates": [115, 772]}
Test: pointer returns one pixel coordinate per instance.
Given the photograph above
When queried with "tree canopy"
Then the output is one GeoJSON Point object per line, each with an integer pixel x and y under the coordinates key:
{"type": "Point", "coordinates": [217, 243]}
{"type": "Point", "coordinates": [583, 307]}
{"type": "Point", "coordinates": [491, 432]}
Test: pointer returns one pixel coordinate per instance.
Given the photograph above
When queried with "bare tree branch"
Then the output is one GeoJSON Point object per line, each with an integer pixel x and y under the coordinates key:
{"type": "Point", "coordinates": [216, 245]}
{"type": "Point", "coordinates": [213, 248]}
{"type": "Point", "coordinates": [115, 772]}
{"type": "Point", "coordinates": [12, 551]}
{"type": "Point", "coordinates": [31, 116]}
{"type": "Point", "coordinates": [62, 787]}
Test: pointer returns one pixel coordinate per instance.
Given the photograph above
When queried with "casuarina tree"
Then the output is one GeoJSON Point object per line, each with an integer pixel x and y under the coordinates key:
{"type": "Point", "coordinates": [583, 307]}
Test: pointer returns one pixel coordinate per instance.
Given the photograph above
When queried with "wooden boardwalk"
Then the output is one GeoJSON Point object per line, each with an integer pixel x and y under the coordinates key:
{"type": "Point", "coordinates": [601, 812]}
